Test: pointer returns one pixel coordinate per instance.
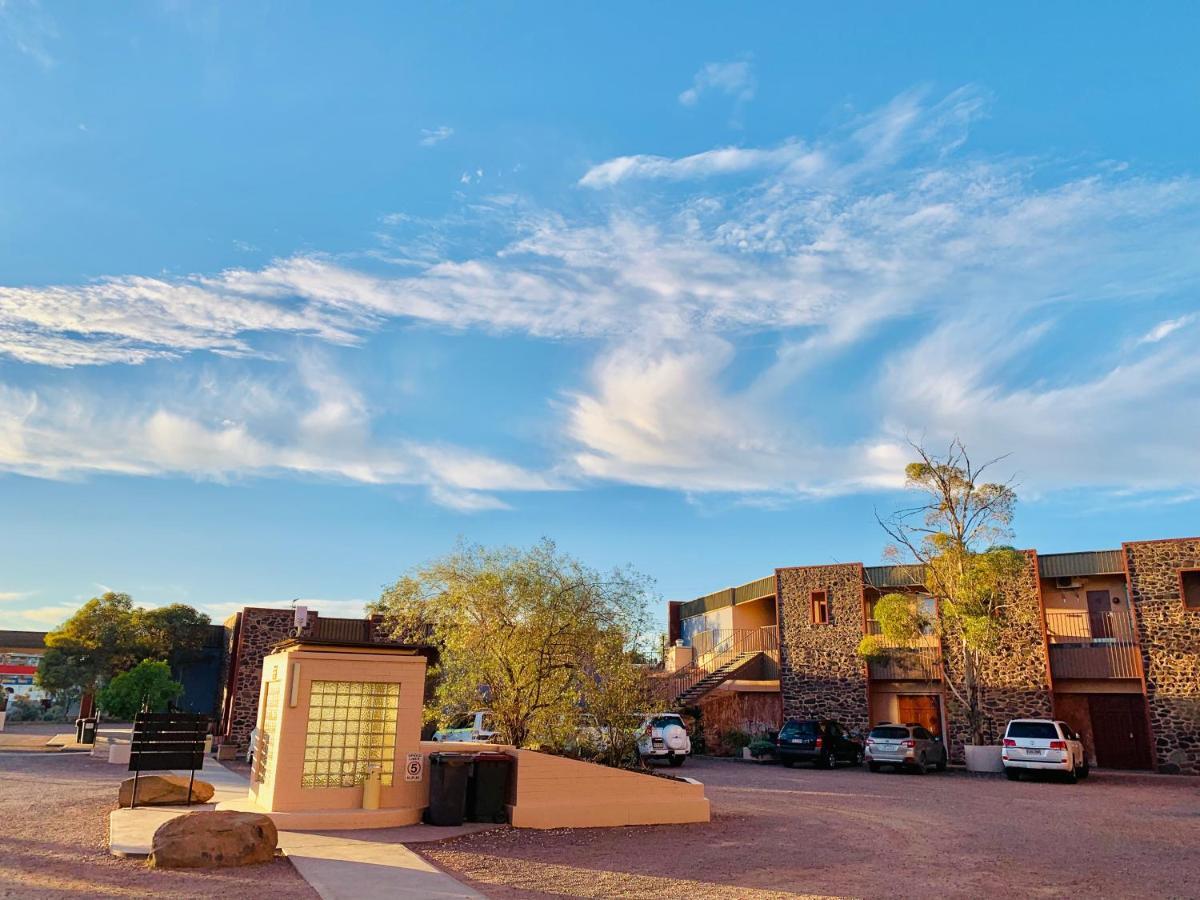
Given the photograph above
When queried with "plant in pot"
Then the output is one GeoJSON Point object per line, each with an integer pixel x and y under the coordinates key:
{"type": "Point", "coordinates": [955, 539]}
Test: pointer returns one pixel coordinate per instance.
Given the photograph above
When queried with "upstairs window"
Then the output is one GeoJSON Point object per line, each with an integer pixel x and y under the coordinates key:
{"type": "Point", "coordinates": [1189, 588]}
{"type": "Point", "coordinates": [820, 607]}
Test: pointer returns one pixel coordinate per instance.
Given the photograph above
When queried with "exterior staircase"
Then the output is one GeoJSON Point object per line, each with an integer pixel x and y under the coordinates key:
{"type": "Point", "coordinates": [715, 677]}
{"type": "Point", "coordinates": [724, 656]}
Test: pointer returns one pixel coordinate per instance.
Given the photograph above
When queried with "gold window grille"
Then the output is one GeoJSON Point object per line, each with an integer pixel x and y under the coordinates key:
{"type": "Point", "coordinates": [266, 732]}
{"type": "Point", "coordinates": [351, 726]}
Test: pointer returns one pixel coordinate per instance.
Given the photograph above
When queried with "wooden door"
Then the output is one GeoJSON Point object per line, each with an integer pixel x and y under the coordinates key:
{"type": "Point", "coordinates": [1119, 730]}
{"type": "Point", "coordinates": [1099, 606]}
{"type": "Point", "coordinates": [923, 709]}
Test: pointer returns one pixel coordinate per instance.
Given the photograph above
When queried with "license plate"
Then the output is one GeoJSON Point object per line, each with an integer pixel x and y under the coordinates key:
{"type": "Point", "coordinates": [1033, 752]}
{"type": "Point", "coordinates": [797, 741]}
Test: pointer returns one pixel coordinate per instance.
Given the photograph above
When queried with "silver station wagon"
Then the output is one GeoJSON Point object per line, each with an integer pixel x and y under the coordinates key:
{"type": "Point", "coordinates": [904, 746]}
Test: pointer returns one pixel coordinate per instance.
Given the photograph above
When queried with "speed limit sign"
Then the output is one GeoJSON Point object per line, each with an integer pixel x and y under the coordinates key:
{"type": "Point", "coordinates": [414, 767]}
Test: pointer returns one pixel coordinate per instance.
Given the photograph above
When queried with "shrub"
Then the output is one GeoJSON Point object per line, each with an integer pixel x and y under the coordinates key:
{"type": "Point", "coordinates": [761, 747]}
{"type": "Point", "coordinates": [733, 740]}
{"type": "Point", "coordinates": [148, 684]}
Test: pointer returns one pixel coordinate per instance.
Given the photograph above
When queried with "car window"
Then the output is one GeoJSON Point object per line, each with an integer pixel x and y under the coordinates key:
{"type": "Point", "coordinates": [485, 723]}
{"type": "Point", "coordinates": [461, 722]}
{"type": "Point", "coordinates": [1037, 730]}
{"type": "Point", "coordinates": [923, 734]}
{"type": "Point", "coordinates": [664, 721]}
{"type": "Point", "coordinates": [799, 729]}
{"type": "Point", "coordinates": [889, 732]}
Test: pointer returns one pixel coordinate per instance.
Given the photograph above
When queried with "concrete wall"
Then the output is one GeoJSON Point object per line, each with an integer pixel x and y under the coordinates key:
{"type": "Point", "coordinates": [554, 792]}
{"type": "Point", "coordinates": [758, 613]}
{"type": "Point", "coordinates": [1170, 642]}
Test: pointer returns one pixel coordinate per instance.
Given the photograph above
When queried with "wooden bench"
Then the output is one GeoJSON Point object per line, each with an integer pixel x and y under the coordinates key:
{"type": "Point", "coordinates": [163, 741]}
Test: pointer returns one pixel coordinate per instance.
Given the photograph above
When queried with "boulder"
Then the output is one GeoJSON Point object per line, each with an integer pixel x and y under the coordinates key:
{"type": "Point", "coordinates": [213, 840]}
{"type": "Point", "coordinates": [164, 790]}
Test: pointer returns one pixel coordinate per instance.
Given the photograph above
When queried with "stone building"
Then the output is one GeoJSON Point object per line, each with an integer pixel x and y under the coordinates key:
{"type": "Point", "coordinates": [1108, 641]}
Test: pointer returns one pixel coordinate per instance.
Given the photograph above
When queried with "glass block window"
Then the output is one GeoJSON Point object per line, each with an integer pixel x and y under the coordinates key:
{"type": "Point", "coordinates": [267, 729]}
{"type": "Point", "coordinates": [351, 725]}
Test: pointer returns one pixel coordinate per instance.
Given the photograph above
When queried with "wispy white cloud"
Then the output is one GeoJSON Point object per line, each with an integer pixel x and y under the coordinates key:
{"type": "Point", "coordinates": [431, 136]}
{"type": "Point", "coordinates": [878, 249]}
{"type": "Point", "coordinates": [732, 79]}
{"type": "Point", "coordinates": [30, 29]}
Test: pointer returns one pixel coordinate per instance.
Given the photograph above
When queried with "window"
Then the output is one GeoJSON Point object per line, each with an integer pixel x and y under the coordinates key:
{"type": "Point", "coordinates": [1036, 730]}
{"type": "Point", "coordinates": [798, 729]}
{"type": "Point", "coordinates": [351, 726]}
{"type": "Point", "coordinates": [889, 732]}
{"type": "Point", "coordinates": [1189, 588]}
{"type": "Point", "coordinates": [820, 607]}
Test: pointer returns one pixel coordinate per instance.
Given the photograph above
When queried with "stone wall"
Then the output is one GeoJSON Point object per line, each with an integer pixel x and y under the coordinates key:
{"type": "Point", "coordinates": [1014, 682]}
{"type": "Point", "coordinates": [258, 631]}
{"type": "Point", "coordinates": [1170, 639]}
{"type": "Point", "coordinates": [821, 675]}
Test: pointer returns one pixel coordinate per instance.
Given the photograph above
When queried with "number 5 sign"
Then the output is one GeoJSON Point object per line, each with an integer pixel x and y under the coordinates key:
{"type": "Point", "coordinates": [414, 767]}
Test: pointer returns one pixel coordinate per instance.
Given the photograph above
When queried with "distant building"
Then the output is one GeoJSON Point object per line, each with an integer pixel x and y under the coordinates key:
{"type": "Point", "coordinates": [1110, 643]}
{"type": "Point", "coordinates": [20, 653]}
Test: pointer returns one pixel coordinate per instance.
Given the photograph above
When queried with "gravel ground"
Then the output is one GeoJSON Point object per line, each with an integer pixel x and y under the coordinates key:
{"type": "Point", "coordinates": [853, 833]}
{"type": "Point", "coordinates": [53, 841]}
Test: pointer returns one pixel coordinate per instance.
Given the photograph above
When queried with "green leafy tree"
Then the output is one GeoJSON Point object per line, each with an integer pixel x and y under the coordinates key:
{"type": "Point", "coordinates": [108, 635]}
{"type": "Point", "coordinates": [148, 685]}
{"type": "Point", "coordinates": [533, 635]}
{"type": "Point", "coordinates": [957, 536]}
{"type": "Point", "coordinates": [175, 633]}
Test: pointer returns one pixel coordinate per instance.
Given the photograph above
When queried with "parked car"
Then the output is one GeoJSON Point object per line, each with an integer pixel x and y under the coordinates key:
{"type": "Point", "coordinates": [910, 746]}
{"type": "Point", "coordinates": [822, 742]}
{"type": "Point", "coordinates": [663, 736]}
{"type": "Point", "coordinates": [1043, 745]}
{"type": "Point", "coordinates": [477, 726]}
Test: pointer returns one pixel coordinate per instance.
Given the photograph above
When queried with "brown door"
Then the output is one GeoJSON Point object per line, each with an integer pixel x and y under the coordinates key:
{"type": "Point", "coordinates": [1099, 606]}
{"type": "Point", "coordinates": [922, 709]}
{"type": "Point", "coordinates": [1119, 730]}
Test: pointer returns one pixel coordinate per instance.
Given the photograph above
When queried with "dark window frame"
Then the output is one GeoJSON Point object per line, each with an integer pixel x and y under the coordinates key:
{"type": "Point", "coordinates": [1195, 574]}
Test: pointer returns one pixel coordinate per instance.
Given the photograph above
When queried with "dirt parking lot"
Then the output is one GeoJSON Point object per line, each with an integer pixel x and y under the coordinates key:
{"type": "Point", "coordinates": [853, 833]}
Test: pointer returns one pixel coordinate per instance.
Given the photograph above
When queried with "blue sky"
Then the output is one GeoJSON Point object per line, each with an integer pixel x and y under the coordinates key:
{"type": "Point", "coordinates": [292, 297]}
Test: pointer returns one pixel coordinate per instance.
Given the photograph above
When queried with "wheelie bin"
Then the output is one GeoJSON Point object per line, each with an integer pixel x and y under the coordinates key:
{"type": "Point", "coordinates": [448, 775]}
{"type": "Point", "coordinates": [487, 792]}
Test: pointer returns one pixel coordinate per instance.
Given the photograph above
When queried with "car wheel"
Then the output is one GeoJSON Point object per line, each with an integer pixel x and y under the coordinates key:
{"type": "Point", "coordinates": [830, 761]}
{"type": "Point", "coordinates": [1086, 770]}
{"type": "Point", "coordinates": [858, 757]}
{"type": "Point", "coordinates": [1071, 777]}
{"type": "Point", "coordinates": [676, 761]}
{"type": "Point", "coordinates": [921, 767]}
{"type": "Point", "coordinates": [873, 766]}
{"type": "Point", "coordinates": [941, 763]}
{"type": "Point", "coordinates": [1012, 774]}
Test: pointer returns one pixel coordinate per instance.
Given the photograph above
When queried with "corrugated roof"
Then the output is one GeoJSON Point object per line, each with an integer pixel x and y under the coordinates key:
{"type": "Point", "coordinates": [760, 587]}
{"type": "Point", "coordinates": [894, 576]}
{"type": "Point", "coordinates": [23, 639]}
{"type": "Point", "coordinates": [1091, 562]}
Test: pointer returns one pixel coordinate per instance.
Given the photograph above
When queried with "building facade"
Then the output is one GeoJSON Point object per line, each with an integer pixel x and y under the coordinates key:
{"type": "Point", "coordinates": [1108, 641]}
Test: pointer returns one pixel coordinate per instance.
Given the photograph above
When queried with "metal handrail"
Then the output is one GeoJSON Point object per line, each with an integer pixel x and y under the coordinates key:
{"type": "Point", "coordinates": [1092, 645]}
{"type": "Point", "coordinates": [724, 647]}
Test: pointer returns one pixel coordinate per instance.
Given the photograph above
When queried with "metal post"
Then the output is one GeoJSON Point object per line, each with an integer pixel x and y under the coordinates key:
{"type": "Point", "coordinates": [191, 779]}
{"type": "Point", "coordinates": [136, 772]}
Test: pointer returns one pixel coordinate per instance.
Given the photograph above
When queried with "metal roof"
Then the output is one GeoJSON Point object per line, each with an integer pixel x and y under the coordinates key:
{"type": "Point", "coordinates": [1091, 562]}
{"type": "Point", "coordinates": [894, 576]}
{"type": "Point", "coordinates": [23, 639]}
{"type": "Point", "coordinates": [751, 590]}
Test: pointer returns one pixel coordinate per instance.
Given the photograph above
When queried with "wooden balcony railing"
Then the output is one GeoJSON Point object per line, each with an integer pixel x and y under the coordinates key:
{"type": "Point", "coordinates": [1092, 645]}
{"type": "Point", "coordinates": [918, 660]}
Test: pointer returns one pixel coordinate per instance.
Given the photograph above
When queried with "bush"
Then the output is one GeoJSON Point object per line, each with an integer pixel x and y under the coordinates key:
{"type": "Point", "coordinates": [733, 740]}
{"type": "Point", "coordinates": [148, 684]}
{"type": "Point", "coordinates": [761, 747]}
{"type": "Point", "coordinates": [22, 709]}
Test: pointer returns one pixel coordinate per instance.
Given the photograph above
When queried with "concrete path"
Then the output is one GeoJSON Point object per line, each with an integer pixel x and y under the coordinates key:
{"type": "Point", "coordinates": [363, 865]}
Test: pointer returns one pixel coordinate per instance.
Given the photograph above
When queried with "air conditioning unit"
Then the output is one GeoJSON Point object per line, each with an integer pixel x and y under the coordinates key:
{"type": "Point", "coordinates": [1066, 583]}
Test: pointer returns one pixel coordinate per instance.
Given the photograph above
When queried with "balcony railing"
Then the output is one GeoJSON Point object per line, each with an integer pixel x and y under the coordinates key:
{"type": "Point", "coordinates": [918, 660]}
{"type": "Point", "coordinates": [719, 647]}
{"type": "Point", "coordinates": [1092, 645]}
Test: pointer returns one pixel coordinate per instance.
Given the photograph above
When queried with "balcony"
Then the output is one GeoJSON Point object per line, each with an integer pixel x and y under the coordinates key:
{"type": "Point", "coordinates": [1092, 645]}
{"type": "Point", "coordinates": [919, 660]}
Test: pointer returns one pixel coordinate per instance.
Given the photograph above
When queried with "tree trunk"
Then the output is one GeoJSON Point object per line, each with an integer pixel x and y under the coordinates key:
{"type": "Point", "coordinates": [971, 688]}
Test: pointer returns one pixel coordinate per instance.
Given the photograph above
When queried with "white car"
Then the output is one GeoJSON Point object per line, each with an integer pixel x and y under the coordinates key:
{"type": "Point", "coordinates": [663, 736]}
{"type": "Point", "coordinates": [1043, 745]}
{"type": "Point", "coordinates": [477, 727]}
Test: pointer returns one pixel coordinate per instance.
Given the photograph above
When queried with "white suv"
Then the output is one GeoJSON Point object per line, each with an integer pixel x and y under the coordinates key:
{"type": "Point", "coordinates": [663, 736]}
{"type": "Point", "coordinates": [1043, 745]}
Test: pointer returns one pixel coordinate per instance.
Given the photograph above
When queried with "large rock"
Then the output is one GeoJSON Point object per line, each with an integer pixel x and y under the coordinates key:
{"type": "Point", "coordinates": [212, 840]}
{"type": "Point", "coordinates": [164, 790]}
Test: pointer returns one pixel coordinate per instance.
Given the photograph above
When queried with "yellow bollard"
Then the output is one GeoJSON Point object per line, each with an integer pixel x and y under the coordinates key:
{"type": "Point", "coordinates": [371, 788]}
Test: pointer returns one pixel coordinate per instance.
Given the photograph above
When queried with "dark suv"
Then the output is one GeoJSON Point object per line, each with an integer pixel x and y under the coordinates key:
{"type": "Point", "coordinates": [822, 742]}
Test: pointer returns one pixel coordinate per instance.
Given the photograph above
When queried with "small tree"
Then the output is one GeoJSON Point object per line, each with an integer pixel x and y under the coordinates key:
{"type": "Point", "coordinates": [175, 633]}
{"type": "Point", "coordinates": [148, 685]}
{"type": "Point", "coordinates": [529, 634]}
{"type": "Point", "coordinates": [958, 538]}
